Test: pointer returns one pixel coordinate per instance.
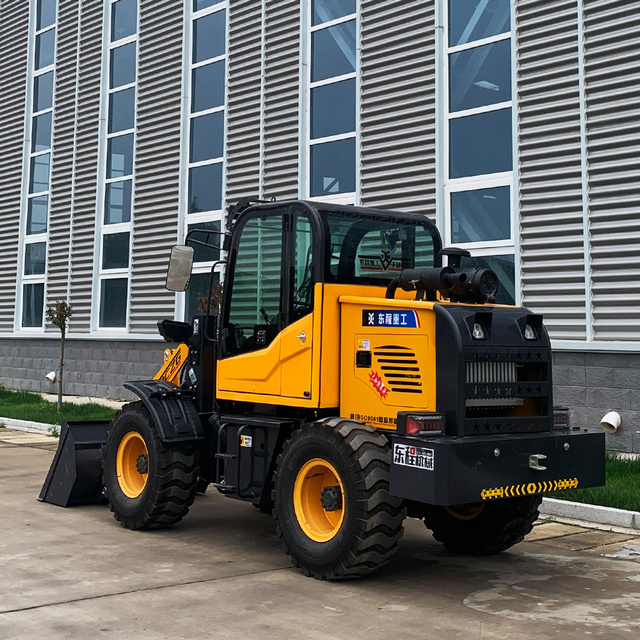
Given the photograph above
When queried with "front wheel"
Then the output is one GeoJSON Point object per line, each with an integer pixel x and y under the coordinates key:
{"type": "Point", "coordinates": [149, 483]}
{"type": "Point", "coordinates": [483, 528]}
{"type": "Point", "coordinates": [332, 506]}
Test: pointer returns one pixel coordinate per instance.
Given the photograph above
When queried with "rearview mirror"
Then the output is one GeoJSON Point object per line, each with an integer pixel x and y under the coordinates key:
{"type": "Point", "coordinates": [179, 271]}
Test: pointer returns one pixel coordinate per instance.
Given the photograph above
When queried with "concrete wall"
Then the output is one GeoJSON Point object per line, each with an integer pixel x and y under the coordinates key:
{"type": "Point", "coordinates": [593, 384]}
{"type": "Point", "coordinates": [92, 367]}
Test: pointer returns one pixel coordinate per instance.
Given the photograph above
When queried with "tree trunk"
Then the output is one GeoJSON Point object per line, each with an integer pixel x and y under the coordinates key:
{"type": "Point", "coordinates": [61, 370]}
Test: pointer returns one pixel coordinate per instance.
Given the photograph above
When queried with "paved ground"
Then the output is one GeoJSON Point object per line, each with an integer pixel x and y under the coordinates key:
{"type": "Point", "coordinates": [220, 574]}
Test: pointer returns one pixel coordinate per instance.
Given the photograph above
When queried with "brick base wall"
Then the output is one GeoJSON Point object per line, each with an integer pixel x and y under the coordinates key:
{"type": "Point", "coordinates": [91, 367]}
{"type": "Point", "coordinates": [592, 384]}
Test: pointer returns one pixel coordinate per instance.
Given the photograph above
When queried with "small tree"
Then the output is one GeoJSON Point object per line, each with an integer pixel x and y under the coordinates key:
{"type": "Point", "coordinates": [58, 315]}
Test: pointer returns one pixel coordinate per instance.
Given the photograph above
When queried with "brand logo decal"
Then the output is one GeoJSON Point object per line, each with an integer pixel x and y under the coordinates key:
{"type": "Point", "coordinates": [378, 385]}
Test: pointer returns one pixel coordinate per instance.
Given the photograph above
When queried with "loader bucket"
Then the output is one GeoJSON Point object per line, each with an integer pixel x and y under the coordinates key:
{"type": "Point", "coordinates": [75, 475]}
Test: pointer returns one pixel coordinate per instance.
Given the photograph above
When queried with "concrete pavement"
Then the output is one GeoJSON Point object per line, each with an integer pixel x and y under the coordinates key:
{"type": "Point", "coordinates": [220, 574]}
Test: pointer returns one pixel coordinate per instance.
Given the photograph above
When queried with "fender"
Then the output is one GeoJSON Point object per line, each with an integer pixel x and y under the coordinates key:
{"type": "Point", "coordinates": [171, 408]}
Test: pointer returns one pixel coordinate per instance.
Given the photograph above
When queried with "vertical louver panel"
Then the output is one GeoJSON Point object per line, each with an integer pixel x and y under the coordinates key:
{"type": "Point", "coordinates": [282, 99]}
{"type": "Point", "coordinates": [553, 276]}
{"type": "Point", "coordinates": [86, 175]}
{"type": "Point", "coordinates": [14, 32]}
{"type": "Point", "coordinates": [157, 166]}
{"type": "Point", "coordinates": [398, 105]}
{"type": "Point", "coordinates": [61, 205]}
{"type": "Point", "coordinates": [244, 99]}
{"type": "Point", "coordinates": [612, 53]}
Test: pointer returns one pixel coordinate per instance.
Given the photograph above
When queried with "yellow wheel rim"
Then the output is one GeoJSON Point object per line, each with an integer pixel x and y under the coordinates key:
{"type": "Point", "coordinates": [317, 522]}
{"type": "Point", "coordinates": [131, 464]}
{"type": "Point", "coordinates": [466, 512]}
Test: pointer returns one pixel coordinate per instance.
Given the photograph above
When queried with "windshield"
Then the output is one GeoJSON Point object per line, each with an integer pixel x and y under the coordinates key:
{"type": "Point", "coordinates": [368, 249]}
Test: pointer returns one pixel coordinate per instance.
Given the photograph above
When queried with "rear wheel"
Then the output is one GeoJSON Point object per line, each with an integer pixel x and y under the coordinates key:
{"type": "Point", "coordinates": [332, 506]}
{"type": "Point", "coordinates": [483, 528]}
{"type": "Point", "coordinates": [149, 483]}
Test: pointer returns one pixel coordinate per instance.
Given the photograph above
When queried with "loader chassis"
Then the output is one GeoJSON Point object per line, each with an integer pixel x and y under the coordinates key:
{"type": "Point", "coordinates": [347, 380]}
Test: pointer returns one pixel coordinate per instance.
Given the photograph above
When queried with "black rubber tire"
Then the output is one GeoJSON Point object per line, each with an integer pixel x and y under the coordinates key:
{"type": "Point", "coordinates": [172, 475]}
{"type": "Point", "coordinates": [372, 525]}
{"type": "Point", "coordinates": [496, 527]}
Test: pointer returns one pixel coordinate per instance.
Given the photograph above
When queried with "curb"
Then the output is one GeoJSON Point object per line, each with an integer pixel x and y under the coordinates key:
{"type": "Point", "coordinates": [26, 425]}
{"type": "Point", "coordinates": [591, 513]}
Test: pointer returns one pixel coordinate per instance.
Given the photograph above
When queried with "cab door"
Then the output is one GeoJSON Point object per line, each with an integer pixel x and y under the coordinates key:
{"type": "Point", "coordinates": [267, 333]}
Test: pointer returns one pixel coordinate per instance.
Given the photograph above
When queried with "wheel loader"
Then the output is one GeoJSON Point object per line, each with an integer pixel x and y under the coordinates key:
{"type": "Point", "coordinates": [346, 379]}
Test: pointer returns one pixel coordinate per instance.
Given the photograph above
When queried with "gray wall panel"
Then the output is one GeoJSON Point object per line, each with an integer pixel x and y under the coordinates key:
{"type": "Point", "coordinates": [14, 31]}
{"type": "Point", "coordinates": [551, 222]}
{"type": "Point", "coordinates": [398, 105]}
{"type": "Point", "coordinates": [157, 166]}
{"type": "Point", "coordinates": [612, 52]}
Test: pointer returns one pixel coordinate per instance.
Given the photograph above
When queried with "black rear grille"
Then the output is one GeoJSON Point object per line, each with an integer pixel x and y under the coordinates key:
{"type": "Point", "coordinates": [399, 368]}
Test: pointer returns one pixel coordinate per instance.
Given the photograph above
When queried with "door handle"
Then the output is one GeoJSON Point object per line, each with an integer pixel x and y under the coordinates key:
{"type": "Point", "coordinates": [302, 337]}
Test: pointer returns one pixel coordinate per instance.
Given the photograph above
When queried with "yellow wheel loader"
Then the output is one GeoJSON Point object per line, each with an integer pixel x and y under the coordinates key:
{"type": "Point", "coordinates": [345, 380]}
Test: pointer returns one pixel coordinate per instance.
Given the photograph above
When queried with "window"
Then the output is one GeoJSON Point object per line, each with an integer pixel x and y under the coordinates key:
{"type": "Point", "coordinates": [333, 103]}
{"type": "Point", "coordinates": [116, 228]}
{"type": "Point", "coordinates": [478, 178]}
{"type": "Point", "coordinates": [38, 165]}
{"type": "Point", "coordinates": [205, 141]}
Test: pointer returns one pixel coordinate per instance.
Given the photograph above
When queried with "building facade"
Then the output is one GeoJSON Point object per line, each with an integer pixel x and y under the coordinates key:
{"type": "Point", "coordinates": [126, 123]}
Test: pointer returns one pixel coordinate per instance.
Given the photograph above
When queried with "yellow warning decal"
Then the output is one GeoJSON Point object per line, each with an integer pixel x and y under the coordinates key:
{"type": "Point", "coordinates": [529, 489]}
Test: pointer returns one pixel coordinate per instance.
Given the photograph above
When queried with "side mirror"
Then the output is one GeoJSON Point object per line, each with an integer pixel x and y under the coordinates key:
{"type": "Point", "coordinates": [179, 271]}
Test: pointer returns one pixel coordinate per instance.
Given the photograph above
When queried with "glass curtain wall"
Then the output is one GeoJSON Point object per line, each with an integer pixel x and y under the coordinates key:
{"type": "Point", "coordinates": [332, 99]}
{"type": "Point", "coordinates": [206, 140]}
{"type": "Point", "coordinates": [116, 227]}
{"type": "Point", "coordinates": [43, 19]}
{"type": "Point", "coordinates": [479, 166]}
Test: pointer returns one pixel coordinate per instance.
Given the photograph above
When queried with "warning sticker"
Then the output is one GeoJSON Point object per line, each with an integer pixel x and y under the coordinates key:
{"type": "Point", "coordinates": [246, 441]}
{"type": "Point", "coordinates": [410, 456]}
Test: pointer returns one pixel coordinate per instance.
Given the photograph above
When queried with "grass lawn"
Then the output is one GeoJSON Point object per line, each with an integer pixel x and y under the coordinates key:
{"type": "Point", "coordinates": [23, 405]}
{"type": "Point", "coordinates": [622, 490]}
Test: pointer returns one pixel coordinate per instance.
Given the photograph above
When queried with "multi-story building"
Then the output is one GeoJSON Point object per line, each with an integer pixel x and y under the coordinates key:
{"type": "Point", "coordinates": [125, 123]}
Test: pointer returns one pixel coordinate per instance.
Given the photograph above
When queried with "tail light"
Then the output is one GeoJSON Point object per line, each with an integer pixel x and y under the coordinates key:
{"type": "Point", "coordinates": [561, 417]}
{"type": "Point", "coordinates": [422, 424]}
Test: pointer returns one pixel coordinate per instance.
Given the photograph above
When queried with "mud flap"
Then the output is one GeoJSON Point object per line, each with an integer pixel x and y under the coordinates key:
{"type": "Point", "coordinates": [75, 475]}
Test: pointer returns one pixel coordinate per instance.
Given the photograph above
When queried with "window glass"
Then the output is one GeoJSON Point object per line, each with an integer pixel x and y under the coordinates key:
{"type": "Point", "coordinates": [480, 76]}
{"type": "Point", "coordinates": [201, 253]}
{"type": "Point", "coordinates": [205, 188]}
{"type": "Point", "coordinates": [197, 294]}
{"type": "Point", "coordinates": [374, 248]}
{"type": "Point", "coordinates": [333, 109]}
{"type": "Point", "coordinates": [45, 48]}
{"type": "Point", "coordinates": [326, 10]}
{"type": "Point", "coordinates": [303, 262]}
{"type": "Point", "coordinates": [46, 13]}
{"type": "Point", "coordinates": [471, 20]}
{"type": "Point", "coordinates": [123, 65]}
{"type": "Point", "coordinates": [39, 177]}
{"type": "Point", "coordinates": [37, 211]}
{"type": "Point", "coordinates": [115, 251]}
{"type": "Point", "coordinates": [113, 303]}
{"type": "Point", "coordinates": [41, 134]}
{"type": "Point", "coordinates": [43, 91]}
{"type": "Point", "coordinates": [208, 87]}
{"type": "Point", "coordinates": [32, 305]}
{"type": "Point", "coordinates": [254, 309]}
{"type": "Point", "coordinates": [480, 144]}
{"type": "Point", "coordinates": [481, 215]}
{"type": "Point", "coordinates": [35, 257]}
{"type": "Point", "coordinates": [122, 110]}
{"type": "Point", "coordinates": [503, 265]}
{"type": "Point", "coordinates": [198, 5]}
{"type": "Point", "coordinates": [333, 167]}
{"type": "Point", "coordinates": [207, 137]}
{"type": "Point", "coordinates": [118, 202]}
{"type": "Point", "coordinates": [209, 36]}
{"type": "Point", "coordinates": [124, 19]}
{"type": "Point", "coordinates": [333, 51]}
{"type": "Point", "coordinates": [120, 156]}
